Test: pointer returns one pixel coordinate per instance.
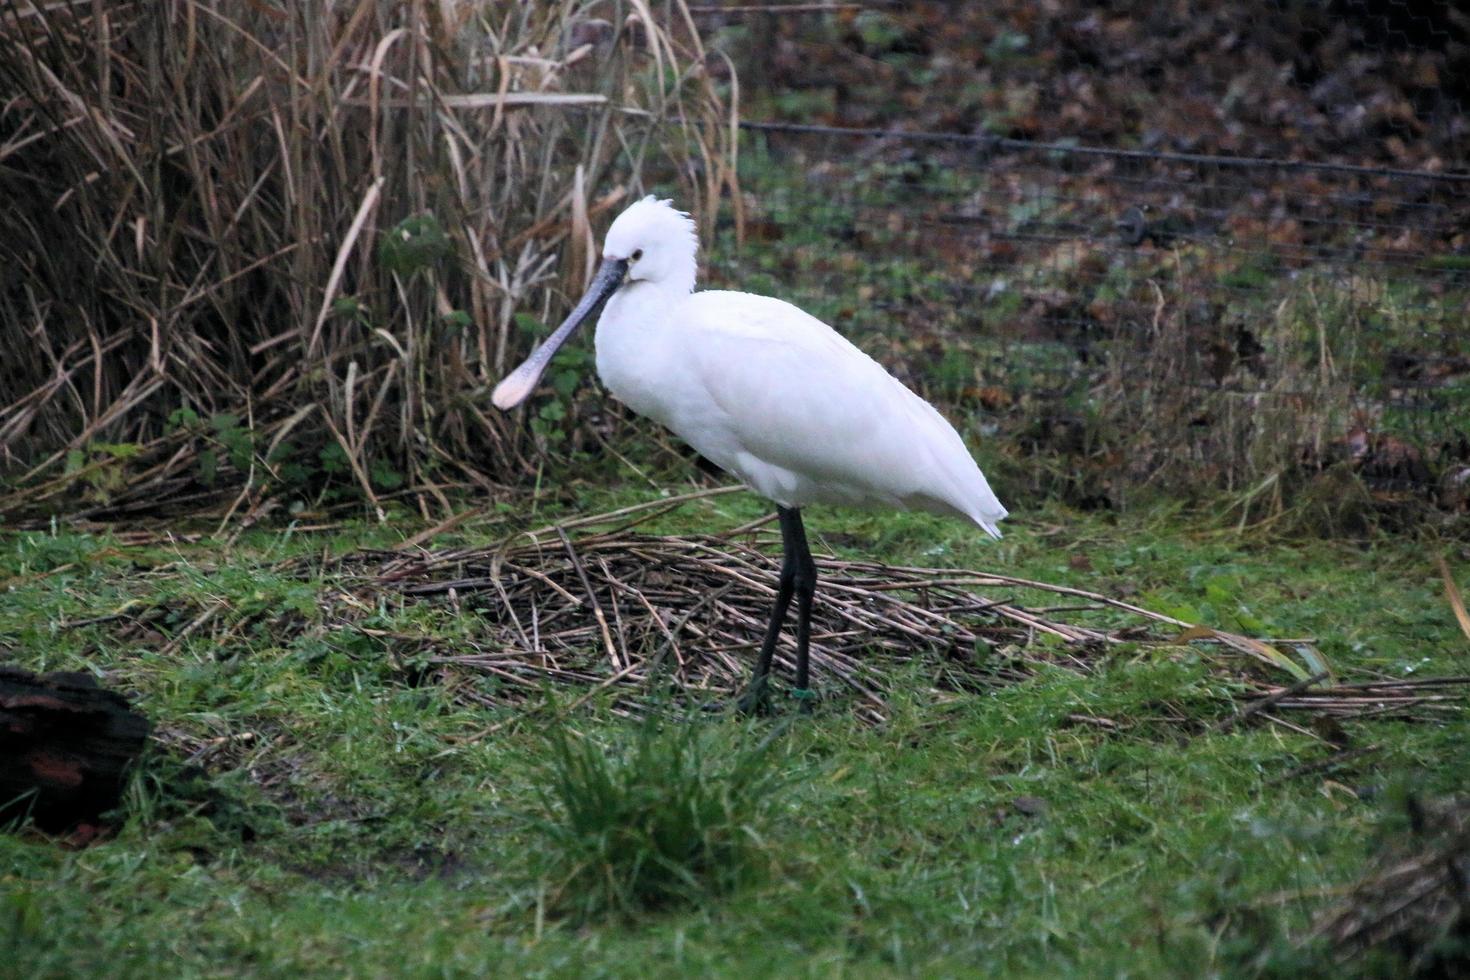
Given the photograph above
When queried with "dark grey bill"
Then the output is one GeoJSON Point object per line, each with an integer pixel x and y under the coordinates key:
{"type": "Point", "coordinates": [519, 384]}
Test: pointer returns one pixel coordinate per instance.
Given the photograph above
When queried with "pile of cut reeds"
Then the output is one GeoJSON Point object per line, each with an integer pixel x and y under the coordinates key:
{"type": "Point", "coordinates": [275, 246]}
{"type": "Point", "coordinates": [594, 604]}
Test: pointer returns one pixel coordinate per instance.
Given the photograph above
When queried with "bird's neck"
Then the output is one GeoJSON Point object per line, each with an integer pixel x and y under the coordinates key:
{"type": "Point", "coordinates": [649, 297]}
{"type": "Point", "coordinates": [674, 285]}
{"type": "Point", "coordinates": [681, 280]}
{"type": "Point", "coordinates": [675, 273]}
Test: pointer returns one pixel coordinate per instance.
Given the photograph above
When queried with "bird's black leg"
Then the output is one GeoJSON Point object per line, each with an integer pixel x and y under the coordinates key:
{"type": "Point", "coordinates": [798, 575]}
{"type": "Point", "coordinates": [806, 589]}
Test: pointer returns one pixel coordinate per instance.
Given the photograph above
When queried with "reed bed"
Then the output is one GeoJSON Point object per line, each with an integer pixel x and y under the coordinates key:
{"type": "Point", "coordinates": [248, 247]}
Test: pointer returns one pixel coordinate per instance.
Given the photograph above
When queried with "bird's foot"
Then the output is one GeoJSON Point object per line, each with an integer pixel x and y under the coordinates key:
{"type": "Point", "coordinates": [805, 698]}
{"type": "Point", "coordinates": [754, 701]}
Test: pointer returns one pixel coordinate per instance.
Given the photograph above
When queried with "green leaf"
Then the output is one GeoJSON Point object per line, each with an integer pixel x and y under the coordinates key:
{"type": "Point", "coordinates": [183, 418]}
{"type": "Point", "coordinates": [417, 242]}
{"type": "Point", "coordinates": [334, 460]}
{"type": "Point", "coordinates": [294, 474]}
{"type": "Point", "coordinates": [565, 382]}
{"type": "Point", "coordinates": [526, 323]}
{"type": "Point", "coordinates": [385, 477]}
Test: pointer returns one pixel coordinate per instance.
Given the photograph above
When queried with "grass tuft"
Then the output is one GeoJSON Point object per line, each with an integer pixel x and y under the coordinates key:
{"type": "Point", "coordinates": [668, 820]}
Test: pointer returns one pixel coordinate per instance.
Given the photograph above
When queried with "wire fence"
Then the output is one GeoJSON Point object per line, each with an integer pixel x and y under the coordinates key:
{"type": "Point", "coordinates": [1137, 317]}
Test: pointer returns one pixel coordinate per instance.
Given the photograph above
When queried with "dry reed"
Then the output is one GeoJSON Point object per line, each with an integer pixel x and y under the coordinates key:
{"type": "Point", "coordinates": [265, 245]}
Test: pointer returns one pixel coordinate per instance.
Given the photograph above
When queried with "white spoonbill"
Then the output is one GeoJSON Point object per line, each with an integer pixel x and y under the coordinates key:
{"type": "Point", "coordinates": [766, 392]}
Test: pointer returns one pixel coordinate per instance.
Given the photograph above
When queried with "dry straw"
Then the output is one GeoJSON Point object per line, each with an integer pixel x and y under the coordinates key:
{"type": "Point", "coordinates": [596, 606]}
{"type": "Point", "coordinates": [235, 235]}
{"type": "Point", "coordinates": [639, 613]}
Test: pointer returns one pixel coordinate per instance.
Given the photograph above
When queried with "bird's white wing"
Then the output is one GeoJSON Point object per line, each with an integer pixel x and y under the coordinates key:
{"type": "Point", "coordinates": [793, 394]}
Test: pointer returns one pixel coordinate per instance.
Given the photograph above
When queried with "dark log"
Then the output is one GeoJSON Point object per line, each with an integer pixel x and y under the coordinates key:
{"type": "Point", "coordinates": [65, 748]}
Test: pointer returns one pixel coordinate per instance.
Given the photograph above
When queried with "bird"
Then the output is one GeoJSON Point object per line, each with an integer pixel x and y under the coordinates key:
{"type": "Point", "coordinates": [766, 392]}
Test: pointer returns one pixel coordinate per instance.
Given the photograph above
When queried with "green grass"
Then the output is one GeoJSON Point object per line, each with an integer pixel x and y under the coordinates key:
{"type": "Point", "coordinates": [668, 821]}
{"type": "Point", "coordinates": [342, 817]}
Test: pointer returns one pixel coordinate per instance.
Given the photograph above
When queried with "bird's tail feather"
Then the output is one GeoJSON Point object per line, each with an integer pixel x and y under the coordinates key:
{"type": "Point", "coordinates": [989, 520]}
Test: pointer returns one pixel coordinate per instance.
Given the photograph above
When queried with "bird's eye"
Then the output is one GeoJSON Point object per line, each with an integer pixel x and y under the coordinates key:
{"type": "Point", "coordinates": [637, 254]}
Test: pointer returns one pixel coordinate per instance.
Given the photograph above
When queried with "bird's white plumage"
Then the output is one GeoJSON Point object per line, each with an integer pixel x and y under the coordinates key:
{"type": "Point", "coordinates": [769, 393]}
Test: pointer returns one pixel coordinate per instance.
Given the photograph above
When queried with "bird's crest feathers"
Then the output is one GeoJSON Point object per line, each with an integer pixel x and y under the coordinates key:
{"type": "Point", "coordinates": [664, 237]}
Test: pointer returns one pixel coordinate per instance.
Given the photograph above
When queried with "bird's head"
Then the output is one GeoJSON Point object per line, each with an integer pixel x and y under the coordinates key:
{"type": "Point", "coordinates": [657, 242]}
{"type": "Point", "coordinates": [649, 242]}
